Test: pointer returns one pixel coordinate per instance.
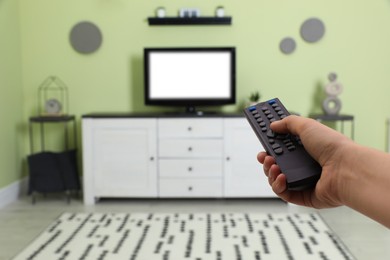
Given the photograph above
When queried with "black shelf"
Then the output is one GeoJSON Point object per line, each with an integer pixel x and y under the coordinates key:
{"type": "Point", "coordinates": [190, 21]}
{"type": "Point", "coordinates": [47, 119]}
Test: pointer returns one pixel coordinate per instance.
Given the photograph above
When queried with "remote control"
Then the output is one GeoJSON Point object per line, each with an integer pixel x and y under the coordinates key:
{"type": "Point", "coordinates": [301, 170]}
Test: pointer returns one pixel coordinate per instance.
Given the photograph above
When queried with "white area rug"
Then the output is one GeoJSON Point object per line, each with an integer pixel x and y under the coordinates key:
{"type": "Point", "coordinates": [216, 236]}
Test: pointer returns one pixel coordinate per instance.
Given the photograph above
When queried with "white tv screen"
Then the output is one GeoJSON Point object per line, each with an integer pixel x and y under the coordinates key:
{"type": "Point", "coordinates": [189, 74]}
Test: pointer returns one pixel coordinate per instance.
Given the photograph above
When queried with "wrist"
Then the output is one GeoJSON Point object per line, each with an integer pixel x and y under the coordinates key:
{"type": "Point", "coordinates": [346, 161]}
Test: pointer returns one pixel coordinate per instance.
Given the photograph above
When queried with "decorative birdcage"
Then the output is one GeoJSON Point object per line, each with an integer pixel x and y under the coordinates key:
{"type": "Point", "coordinates": [53, 97]}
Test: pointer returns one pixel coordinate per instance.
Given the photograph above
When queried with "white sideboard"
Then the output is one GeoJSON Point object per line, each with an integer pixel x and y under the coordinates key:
{"type": "Point", "coordinates": [148, 156]}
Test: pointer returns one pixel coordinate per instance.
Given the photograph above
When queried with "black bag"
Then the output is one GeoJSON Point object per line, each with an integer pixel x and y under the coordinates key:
{"type": "Point", "coordinates": [53, 172]}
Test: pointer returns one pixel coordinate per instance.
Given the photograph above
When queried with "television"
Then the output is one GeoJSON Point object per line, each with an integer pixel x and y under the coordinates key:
{"type": "Point", "coordinates": [190, 77]}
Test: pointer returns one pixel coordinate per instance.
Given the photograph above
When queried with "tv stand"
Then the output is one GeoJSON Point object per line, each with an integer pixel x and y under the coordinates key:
{"type": "Point", "coordinates": [170, 156]}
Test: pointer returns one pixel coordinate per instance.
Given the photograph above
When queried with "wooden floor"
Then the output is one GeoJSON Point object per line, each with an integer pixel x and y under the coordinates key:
{"type": "Point", "coordinates": [21, 222]}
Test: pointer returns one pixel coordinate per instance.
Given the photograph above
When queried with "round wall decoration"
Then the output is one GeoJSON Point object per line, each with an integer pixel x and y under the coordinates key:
{"type": "Point", "coordinates": [287, 45]}
{"type": "Point", "coordinates": [85, 37]}
{"type": "Point", "coordinates": [312, 30]}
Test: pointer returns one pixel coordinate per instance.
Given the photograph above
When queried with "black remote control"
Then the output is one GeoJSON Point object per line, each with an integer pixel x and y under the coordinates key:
{"type": "Point", "coordinates": [301, 170]}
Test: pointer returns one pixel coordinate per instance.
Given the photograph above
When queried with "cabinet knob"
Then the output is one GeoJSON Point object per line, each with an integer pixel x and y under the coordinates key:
{"type": "Point", "coordinates": [228, 158]}
{"type": "Point", "coordinates": [190, 188]}
{"type": "Point", "coordinates": [152, 158]}
{"type": "Point", "coordinates": [189, 128]}
{"type": "Point", "coordinates": [190, 169]}
{"type": "Point", "coordinates": [190, 149]}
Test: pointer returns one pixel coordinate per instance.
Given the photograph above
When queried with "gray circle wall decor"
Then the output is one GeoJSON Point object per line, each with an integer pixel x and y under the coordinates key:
{"type": "Point", "coordinates": [85, 37]}
{"type": "Point", "coordinates": [287, 45]}
{"type": "Point", "coordinates": [312, 30]}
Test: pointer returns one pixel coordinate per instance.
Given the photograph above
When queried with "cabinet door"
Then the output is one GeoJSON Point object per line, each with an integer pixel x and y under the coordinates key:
{"type": "Point", "coordinates": [123, 155]}
{"type": "Point", "coordinates": [244, 175]}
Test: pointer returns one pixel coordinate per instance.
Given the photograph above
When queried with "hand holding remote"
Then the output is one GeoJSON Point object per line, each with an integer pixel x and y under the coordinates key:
{"type": "Point", "coordinates": [326, 146]}
{"type": "Point", "coordinates": [301, 170]}
{"type": "Point", "coordinates": [352, 175]}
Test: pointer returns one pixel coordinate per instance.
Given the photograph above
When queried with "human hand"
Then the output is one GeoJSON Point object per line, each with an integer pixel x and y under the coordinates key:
{"type": "Point", "coordinates": [326, 146]}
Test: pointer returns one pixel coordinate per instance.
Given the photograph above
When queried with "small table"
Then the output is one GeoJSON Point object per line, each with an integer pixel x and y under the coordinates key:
{"type": "Point", "coordinates": [335, 118]}
{"type": "Point", "coordinates": [53, 171]}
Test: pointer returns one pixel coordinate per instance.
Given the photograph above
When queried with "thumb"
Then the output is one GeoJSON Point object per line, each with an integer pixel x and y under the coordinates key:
{"type": "Point", "coordinates": [291, 124]}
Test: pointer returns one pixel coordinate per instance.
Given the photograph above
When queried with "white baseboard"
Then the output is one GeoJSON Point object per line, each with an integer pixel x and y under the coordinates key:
{"type": "Point", "coordinates": [12, 192]}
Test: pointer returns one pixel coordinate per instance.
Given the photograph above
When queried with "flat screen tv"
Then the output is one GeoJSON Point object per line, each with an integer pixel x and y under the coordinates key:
{"type": "Point", "coordinates": [190, 77]}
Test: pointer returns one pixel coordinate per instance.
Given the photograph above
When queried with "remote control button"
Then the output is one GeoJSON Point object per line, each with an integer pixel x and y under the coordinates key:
{"type": "Point", "coordinates": [277, 109]}
{"type": "Point", "coordinates": [278, 151]}
{"type": "Point", "coordinates": [291, 148]}
{"type": "Point", "coordinates": [283, 116]}
{"type": "Point", "coordinates": [275, 146]}
{"type": "Point", "coordinates": [271, 141]}
{"type": "Point", "coordinates": [272, 101]}
{"type": "Point", "coordinates": [280, 113]}
{"type": "Point", "coordinates": [256, 115]}
{"type": "Point", "coordinates": [270, 133]}
{"type": "Point", "coordinates": [264, 129]}
{"type": "Point", "coordinates": [264, 108]}
{"type": "Point", "coordinates": [289, 144]}
{"type": "Point", "coordinates": [282, 136]}
{"type": "Point", "coordinates": [252, 108]}
{"type": "Point", "coordinates": [262, 124]}
{"type": "Point", "coordinates": [270, 116]}
{"type": "Point", "coordinates": [267, 112]}
{"type": "Point", "coordinates": [272, 120]}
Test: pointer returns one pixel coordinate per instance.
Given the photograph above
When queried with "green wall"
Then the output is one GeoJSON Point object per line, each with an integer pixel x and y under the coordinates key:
{"type": "Point", "coordinates": [11, 105]}
{"type": "Point", "coordinates": [355, 46]}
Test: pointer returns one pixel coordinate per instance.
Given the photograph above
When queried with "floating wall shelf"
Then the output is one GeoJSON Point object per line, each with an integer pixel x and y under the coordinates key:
{"type": "Point", "coordinates": [190, 21]}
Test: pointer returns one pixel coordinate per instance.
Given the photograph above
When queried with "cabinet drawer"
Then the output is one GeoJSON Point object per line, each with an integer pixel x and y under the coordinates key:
{"type": "Point", "coordinates": [191, 168]}
{"type": "Point", "coordinates": [183, 148]}
{"type": "Point", "coordinates": [181, 128]}
{"type": "Point", "coordinates": [187, 187]}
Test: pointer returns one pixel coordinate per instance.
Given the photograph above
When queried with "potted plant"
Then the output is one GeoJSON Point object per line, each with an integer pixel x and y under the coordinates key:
{"type": "Point", "coordinates": [254, 98]}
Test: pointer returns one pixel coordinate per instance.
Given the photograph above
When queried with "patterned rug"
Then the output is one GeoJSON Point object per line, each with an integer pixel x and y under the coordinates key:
{"type": "Point", "coordinates": [176, 236]}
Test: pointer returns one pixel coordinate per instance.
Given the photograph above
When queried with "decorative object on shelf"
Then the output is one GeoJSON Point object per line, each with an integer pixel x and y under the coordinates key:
{"type": "Point", "coordinates": [53, 107]}
{"type": "Point", "coordinates": [160, 12]}
{"type": "Point", "coordinates": [220, 11]}
{"type": "Point", "coordinates": [189, 12]}
{"type": "Point", "coordinates": [332, 104]}
{"type": "Point", "coordinates": [312, 30]}
{"type": "Point", "coordinates": [254, 98]}
{"type": "Point", "coordinates": [287, 45]}
{"type": "Point", "coordinates": [85, 37]}
{"type": "Point", "coordinates": [52, 97]}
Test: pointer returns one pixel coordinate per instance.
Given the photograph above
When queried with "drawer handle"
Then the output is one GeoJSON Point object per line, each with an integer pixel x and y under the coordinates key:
{"type": "Point", "coordinates": [190, 149]}
{"type": "Point", "coordinates": [190, 188]}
